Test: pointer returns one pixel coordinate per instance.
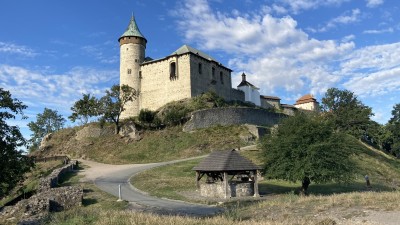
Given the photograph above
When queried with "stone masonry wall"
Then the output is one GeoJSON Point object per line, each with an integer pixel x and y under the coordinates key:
{"type": "Point", "coordinates": [47, 199]}
{"type": "Point", "coordinates": [204, 80]}
{"type": "Point", "coordinates": [157, 89]}
{"type": "Point", "coordinates": [235, 189]}
{"type": "Point", "coordinates": [231, 116]}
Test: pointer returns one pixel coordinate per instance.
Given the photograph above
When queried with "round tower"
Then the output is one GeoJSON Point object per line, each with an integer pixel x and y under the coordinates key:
{"type": "Point", "coordinates": [132, 52]}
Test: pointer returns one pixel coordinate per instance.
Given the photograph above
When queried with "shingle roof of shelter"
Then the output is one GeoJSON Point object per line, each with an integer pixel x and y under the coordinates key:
{"type": "Point", "coordinates": [229, 160]}
{"type": "Point", "coordinates": [132, 30]}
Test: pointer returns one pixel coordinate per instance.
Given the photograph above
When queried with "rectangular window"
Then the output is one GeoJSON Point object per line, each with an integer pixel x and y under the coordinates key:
{"type": "Point", "coordinates": [221, 77]}
{"type": "Point", "coordinates": [129, 71]}
{"type": "Point", "coordinates": [172, 71]}
{"type": "Point", "coordinates": [200, 68]}
{"type": "Point", "coordinates": [213, 73]}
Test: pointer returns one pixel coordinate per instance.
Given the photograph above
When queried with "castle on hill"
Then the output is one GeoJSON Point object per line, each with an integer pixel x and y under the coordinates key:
{"type": "Point", "coordinates": [185, 73]}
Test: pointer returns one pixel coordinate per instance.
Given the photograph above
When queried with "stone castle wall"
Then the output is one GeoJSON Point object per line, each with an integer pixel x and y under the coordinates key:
{"type": "Point", "coordinates": [231, 116]}
{"type": "Point", "coordinates": [158, 89]}
{"type": "Point", "coordinates": [131, 56]}
{"type": "Point", "coordinates": [205, 80]}
{"type": "Point", "coordinates": [308, 106]}
{"type": "Point", "coordinates": [237, 95]}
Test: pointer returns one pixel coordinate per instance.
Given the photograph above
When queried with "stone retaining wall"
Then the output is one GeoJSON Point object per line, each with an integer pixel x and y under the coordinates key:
{"type": "Point", "coordinates": [51, 181]}
{"type": "Point", "coordinates": [48, 199]}
{"type": "Point", "coordinates": [231, 116]}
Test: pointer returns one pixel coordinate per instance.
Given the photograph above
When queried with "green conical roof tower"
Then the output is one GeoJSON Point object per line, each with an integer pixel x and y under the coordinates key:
{"type": "Point", "coordinates": [132, 30]}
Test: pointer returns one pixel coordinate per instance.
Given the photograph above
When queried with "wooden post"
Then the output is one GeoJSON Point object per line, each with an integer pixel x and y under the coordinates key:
{"type": "Point", "coordinates": [226, 184]}
{"type": "Point", "coordinates": [197, 180]}
{"type": "Point", "coordinates": [256, 194]}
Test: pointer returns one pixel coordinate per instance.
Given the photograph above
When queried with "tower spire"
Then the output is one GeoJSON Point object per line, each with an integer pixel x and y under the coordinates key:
{"type": "Point", "coordinates": [132, 30]}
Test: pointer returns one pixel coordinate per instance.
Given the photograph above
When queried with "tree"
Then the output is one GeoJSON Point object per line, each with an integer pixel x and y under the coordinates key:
{"type": "Point", "coordinates": [305, 148]}
{"type": "Point", "coordinates": [47, 122]}
{"type": "Point", "coordinates": [394, 128]}
{"type": "Point", "coordinates": [13, 164]}
{"type": "Point", "coordinates": [113, 103]}
{"type": "Point", "coordinates": [84, 108]}
{"type": "Point", "coordinates": [346, 112]}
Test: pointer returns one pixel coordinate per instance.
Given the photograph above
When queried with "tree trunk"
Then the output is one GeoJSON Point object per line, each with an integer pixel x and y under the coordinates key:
{"type": "Point", "coordinates": [117, 128]}
{"type": "Point", "coordinates": [304, 185]}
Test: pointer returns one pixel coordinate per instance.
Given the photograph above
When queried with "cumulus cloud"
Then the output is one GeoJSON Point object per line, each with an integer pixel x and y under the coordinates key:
{"type": "Point", "coordinates": [297, 6]}
{"type": "Point", "coordinates": [388, 30]}
{"type": "Point", "coordinates": [346, 18]}
{"type": "Point", "coordinates": [11, 48]}
{"type": "Point", "coordinates": [374, 70]}
{"type": "Point", "coordinates": [373, 3]}
{"type": "Point", "coordinates": [274, 52]}
{"type": "Point", "coordinates": [39, 89]}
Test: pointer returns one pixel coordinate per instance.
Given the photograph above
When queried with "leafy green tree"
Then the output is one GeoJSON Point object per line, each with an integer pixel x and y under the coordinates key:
{"type": "Point", "coordinates": [394, 127]}
{"type": "Point", "coordinates": [113, 103]}
{"type": "Point", "coordinates": [13, 164]}
{"type": "Point", "coordinates": [346, 112]}
{"type": "Point", "coordinates": [305, 148]}
{"type": "Point", "coordinates": [85, 108]}
{"type": "Point", "coordinates": [47, 122]}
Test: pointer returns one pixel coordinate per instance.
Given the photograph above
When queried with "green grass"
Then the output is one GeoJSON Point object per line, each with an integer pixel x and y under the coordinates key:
{"type": "Point", "coordinates": [156, 145]}
{"type": "Point", "coordinates": [384, 172]}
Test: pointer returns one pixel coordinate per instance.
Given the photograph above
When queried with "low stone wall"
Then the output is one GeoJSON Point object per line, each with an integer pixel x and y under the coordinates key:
{"type": "Point", "coordinates": [51, 181]}
{"type": "Point", "coordinates": [235, 189]}
{"type": "Point", "coordinates": [231, 116]}
{"type": "Point", "coordinates": [48, 199]}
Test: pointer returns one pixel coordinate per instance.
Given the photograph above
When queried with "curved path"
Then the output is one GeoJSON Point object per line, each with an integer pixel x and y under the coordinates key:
{"type": "Point", "coordinates": [108, 177]}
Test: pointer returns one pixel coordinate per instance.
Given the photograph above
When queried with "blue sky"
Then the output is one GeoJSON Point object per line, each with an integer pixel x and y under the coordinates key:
{"type": "Point", "coordinates": [52, 51]}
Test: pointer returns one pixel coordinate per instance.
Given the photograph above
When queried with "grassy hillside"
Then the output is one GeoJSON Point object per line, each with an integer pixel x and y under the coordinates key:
{"type": "Point", "coordinates": [328, 203]}
{"type": "Point", "coordinates": [177, 181]}
{"type": "Point", "coordinates": [155, 146]}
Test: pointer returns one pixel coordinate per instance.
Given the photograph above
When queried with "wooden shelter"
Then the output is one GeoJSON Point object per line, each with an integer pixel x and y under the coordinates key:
{"type": "Point", "coordinates": [229, 168]}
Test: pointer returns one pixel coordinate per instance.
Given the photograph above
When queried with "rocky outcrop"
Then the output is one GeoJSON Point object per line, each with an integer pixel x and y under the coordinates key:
{"type": "Point", "coordinates": [93, 131]}
{"type": "Point", "coordinates": [130, 130]}
{"type": "Point", "coordinates": [45, 144]}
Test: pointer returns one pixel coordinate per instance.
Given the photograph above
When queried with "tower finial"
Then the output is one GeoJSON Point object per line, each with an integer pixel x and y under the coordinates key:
{"type": "Point", "coordinates": [243, 76]}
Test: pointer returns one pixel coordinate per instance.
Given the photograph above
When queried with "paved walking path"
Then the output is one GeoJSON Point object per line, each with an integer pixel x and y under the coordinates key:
{"type": "Point", "coordinates": [108, 177]}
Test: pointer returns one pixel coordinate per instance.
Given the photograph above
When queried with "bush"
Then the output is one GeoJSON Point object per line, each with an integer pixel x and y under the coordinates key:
{"type": "Point", "coordinates": [177, 114]}
{"type": "Point", "coordinates": [146, 116]}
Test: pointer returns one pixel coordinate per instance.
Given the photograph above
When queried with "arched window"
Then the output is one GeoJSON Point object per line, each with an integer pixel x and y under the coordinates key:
{"type": "Point", "coordinates": [172, 71]}
{"type": "Point", "coordinates": [129, 71]}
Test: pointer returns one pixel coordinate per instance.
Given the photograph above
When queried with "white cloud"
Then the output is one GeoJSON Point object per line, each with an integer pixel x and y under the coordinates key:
{"type": "Point", "coordinates": [272, 51]}
{"type": "Point", "coordinates": [11, 48]}
{"type": "Point", "coordinates": [388, 30]}
{"type": "Point", "coordinates": [296, 6]}
{"type": "Point", "coordinates": [373, 70]}
{"type": "Point", "coordinates": [346, 18]}
{"type": "Point", "coordinates": [373, 3]}
{"type": "Point", "coordinates": [40, 89]}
